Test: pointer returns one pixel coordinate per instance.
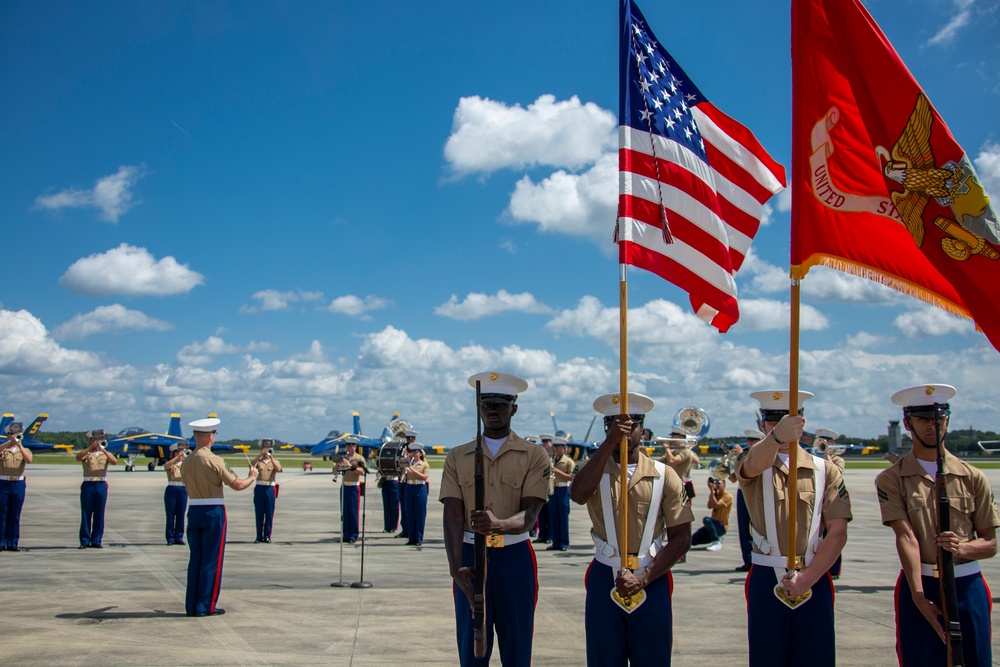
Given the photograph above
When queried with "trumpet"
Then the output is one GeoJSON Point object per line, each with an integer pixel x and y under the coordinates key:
{"type": "Point", "coordinates": [724, 467]}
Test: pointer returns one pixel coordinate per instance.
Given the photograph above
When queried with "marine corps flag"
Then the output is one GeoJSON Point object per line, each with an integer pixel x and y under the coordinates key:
{"type": "Point", "coordinates": [881, 188]}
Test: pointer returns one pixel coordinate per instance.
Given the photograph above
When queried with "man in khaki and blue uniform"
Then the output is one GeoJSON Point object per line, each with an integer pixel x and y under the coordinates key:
{"type": "Point", "coordinates": [175, 496]}
{"type": "Point", "coordinates": [265, 492]}
{"type": "Point", "coordinates": [908, 502]}
{"type": "Point", "coordinates": [558, 505]}
{"type": "Point", "coordinates": [780, 633]}
{"type": "Point", "coordinates": [352, 468]}
{"type": "Point", "coordinates": [659, 533]}
{"type": "Point", "coordinates": [204, 475]}
{"type": "Point", "coordinates": [516, 485]}
{"type": "Point", "coordinates": [94, 490]}
{"type": "Point", "coordinates": [13, 458]}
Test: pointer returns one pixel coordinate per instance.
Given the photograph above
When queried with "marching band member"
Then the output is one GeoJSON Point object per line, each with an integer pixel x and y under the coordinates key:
{"type": "Point", "coordinates": [784, 631]}
{"type": "Point", "coordinates": [908, 502]}
{"type": "Point", "coordinates": [415, 494]}
{"type": "Point", "coordinates": [683, 460]}
{"type": "Point", "coordinates": [516, 474]}
{"type": "Point", "coordinates": [13, 458]}
{"type": "Point", "coordinates": [352, 468]}
{"type": "Point", "coordinates": [826, 437]}
{"type": "Point", "coordinates": [94, 490]}
{"type": "Point", "coordinates": [204, 474]}
{"type": "Point", "coordinates": [265, 493]}
{"type": "Point", "coordinates": [742, 515]}
{"type": "Point", "coordinates": [175, 496]}
{"type": "Point", "coordinates": [543, 527]}
{"type": "Point", "coordinates": [411, 438]}
{"type": "Point", "coordinates": [562, 476]}
{"type": "Point", "coordinates": [657, 505]}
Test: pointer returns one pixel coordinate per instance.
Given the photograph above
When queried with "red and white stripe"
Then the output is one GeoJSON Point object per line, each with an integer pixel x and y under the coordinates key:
{"type": "Point", "coordinates": [713, 210]}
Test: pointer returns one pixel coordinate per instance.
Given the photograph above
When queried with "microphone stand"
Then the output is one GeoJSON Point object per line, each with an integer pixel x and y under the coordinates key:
{"type": "Point", "coordinates": [364, 513]}
{"type": "Point", "coordinates": [340, 583]}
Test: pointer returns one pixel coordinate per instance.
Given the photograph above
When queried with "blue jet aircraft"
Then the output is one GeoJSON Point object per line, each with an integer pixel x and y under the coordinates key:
{"type": "Point", "coordinates": [333, 443]}
{"type": "Point", "coordinates": [27, 438]}
{"type": "Point", "coordinates": [134, 442]}
{"type": "Point", "coordinates": [578, 450]}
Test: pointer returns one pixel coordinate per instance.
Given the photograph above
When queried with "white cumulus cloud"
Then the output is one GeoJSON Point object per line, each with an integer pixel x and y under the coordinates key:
{"type": "Point", "coordinates": [103, 319]}
{"type": "Point", "coordinates": [354, 306]}
{"type": "Point", "coordinates": [27, 348]}
{"type": "Point", "coordinates": [771, 315]}
{"type": "Point", "coordinates": [111, 195]}
{"type": "Point", "coordinates": [487, 135]}
{"type": "Point", "coordinates": [988, 169]}
{"type": "Point", "coordinates": [477, 306]}
{"type": "Point", "coordinates": [577, 204]}
{"type": "Point", "coordinates": [200, 354]}
{"type": "Point", "coordinates": [821, 284]}
{"type": "Point", "coordinates": [929, 321]}
{"type": "Point", "coordinates": [272, 299]}
{"type": "Point", "coordinates": [129, 271]}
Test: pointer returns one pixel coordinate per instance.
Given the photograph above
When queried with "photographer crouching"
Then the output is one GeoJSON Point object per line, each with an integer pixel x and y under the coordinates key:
{"type": "Point", "coordinates": [714, 527]}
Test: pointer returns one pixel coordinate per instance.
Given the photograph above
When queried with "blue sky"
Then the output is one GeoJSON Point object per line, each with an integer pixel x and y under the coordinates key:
{"type": "Point", "coordinates": [285, 212]}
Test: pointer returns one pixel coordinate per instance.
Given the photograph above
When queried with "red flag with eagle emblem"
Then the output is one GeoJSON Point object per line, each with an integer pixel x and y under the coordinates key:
{"type": "Point", "coordinates": [881, 189]}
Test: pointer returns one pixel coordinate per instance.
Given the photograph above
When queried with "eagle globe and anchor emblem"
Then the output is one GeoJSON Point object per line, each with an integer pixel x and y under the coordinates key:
{"type": "Point", "coordinates": [973, 228]}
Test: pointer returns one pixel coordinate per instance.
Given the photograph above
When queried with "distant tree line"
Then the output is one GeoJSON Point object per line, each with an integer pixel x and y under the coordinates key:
{"type": "Point", "coordinates": [78, 439]}
{"type": "Point", "coordinates": [963, 442]}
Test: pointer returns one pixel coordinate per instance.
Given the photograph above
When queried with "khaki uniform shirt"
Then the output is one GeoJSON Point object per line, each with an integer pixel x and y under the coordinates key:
{"type": "Point", "coordinates": [837, 461]}
{"type": "Point", "coordinates": [722, 511]}
{"type": "Point", "coordinates": [566, 465]}
{"type": "Point", "coordinates": [836, 501]}
{"type": "Point", "coordinates": [419, 466]}
{"type": "Point", "coordinates": [174, 474]}
{"type": "Point", "coordinates": [675, 506]}
{"type": "Point", "coordinates": [520, 470]}
{"type": "Point", "coordinates": [354, 475]}
{"type": "Point", "coordinates": [95, 464]}
{"type": "Point", "coordinates": [12, 462]}
{"type": "Point", "coordinates": [683, 468]}
{"type": "Point", "coordinates": [205, 473]}
{"type": "Point", "coordinates": [266, 470]}
{"type": "Point", "coordinates": [906, 493]}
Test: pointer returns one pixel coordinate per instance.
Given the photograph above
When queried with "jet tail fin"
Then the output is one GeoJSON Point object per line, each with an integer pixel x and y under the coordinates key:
{"type": "Point", "coordinates": [35, 425]}
{"type": "Point", "coordinates": [357, 424]}
{"type": "Point", "coordinates": [175, 426]}
{"type": "Point", "coordinates": [7, 419]}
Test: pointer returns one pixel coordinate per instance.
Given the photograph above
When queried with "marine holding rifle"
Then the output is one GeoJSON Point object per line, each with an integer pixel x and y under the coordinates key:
{"type": "Point", "coordinates": [516, 480]}
{"type": "Point", "coordinates": [790, 610]}
{"type": "Point", "coordinates": [634, 627]}
{"type": "Point", "coordinates": [908, 502]}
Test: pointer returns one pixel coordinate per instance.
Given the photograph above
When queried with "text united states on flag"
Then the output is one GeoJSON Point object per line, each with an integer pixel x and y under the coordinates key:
{"type": "Point", "coordinates": [686, 167]}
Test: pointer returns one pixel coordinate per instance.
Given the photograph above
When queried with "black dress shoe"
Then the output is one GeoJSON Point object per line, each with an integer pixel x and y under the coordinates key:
{"type": "Point", "coordinates": [13, 548]}
{"type": "Point", "coordinates": [541, 541]}
{"type": "Point", "coordinates": [555, 548]}
{"type": "Point", "coordinates": [257, 541]}
{"type": "Point", "coordinates": [411, 543]}
{"type": "Point", "coordinates": [217, 612]}
{"type": "Point", "coordinates": [96, 546]}
{"type": "Point", "coordinates": [83, 546]}
{"type": "Point", "coordinates": [403, 535]}
{"type": "Point", "coordinates": [267, 540]}
{"type": "Point", "coordinates": [181, 543]}
{"type": "Point", "coordinates": [743, 568]}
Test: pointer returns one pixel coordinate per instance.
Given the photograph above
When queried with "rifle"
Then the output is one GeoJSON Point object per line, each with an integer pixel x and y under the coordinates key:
{"type": "Point", "coordinates": [479, 579]}
{"type": "Point", "coordinates": [946, 567]}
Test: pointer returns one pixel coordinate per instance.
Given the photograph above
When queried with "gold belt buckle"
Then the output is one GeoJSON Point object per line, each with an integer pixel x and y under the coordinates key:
{"type": "Point", "coordinates": [800, 562]}
{"type": "Point", "coordinates": [936, 573]}
{"type": "Point", "coordinates": [632, 562]}
{"type": "Point", "coordinates": [494, 541]}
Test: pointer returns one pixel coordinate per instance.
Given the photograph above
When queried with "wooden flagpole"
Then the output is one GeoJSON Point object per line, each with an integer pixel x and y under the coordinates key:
{"type": "Point", "coordinates": [623, 392]}
{"type": "Point", "coordinates": [791, 492]}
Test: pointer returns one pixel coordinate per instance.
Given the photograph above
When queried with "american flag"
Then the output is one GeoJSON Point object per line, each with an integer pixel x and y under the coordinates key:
{"type": "Point", "coordinates": [692, 181]}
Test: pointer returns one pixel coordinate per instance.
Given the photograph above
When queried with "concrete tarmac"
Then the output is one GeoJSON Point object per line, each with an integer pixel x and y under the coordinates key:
{"type": "Point", "coordinates": [124, 604]}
